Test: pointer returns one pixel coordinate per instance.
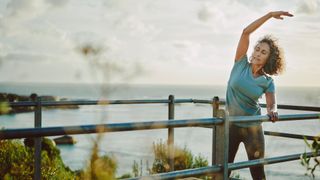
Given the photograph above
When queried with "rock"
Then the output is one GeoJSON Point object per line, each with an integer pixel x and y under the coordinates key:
{"type": "Point", "coordinates": [10, 97]}
{"type": "Point", "coordinates": [66, 139]}
{"type": "Point", "coordinates": [46, 145]}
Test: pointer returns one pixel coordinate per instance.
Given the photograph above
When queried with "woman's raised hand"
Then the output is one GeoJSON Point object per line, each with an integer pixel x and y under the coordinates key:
{"type": "Point", "coordinates": [279, 14]}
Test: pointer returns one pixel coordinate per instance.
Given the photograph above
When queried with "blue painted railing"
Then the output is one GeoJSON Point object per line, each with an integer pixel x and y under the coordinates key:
{"type": "Point", "coordinates": [219, 123]}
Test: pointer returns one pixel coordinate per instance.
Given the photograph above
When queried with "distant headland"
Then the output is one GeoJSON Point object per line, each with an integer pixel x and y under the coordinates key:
{"type": "Point", "coordinates": [6, 98]}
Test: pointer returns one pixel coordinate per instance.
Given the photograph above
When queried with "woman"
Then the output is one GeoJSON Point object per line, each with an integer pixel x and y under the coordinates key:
{"type": "Point", "coordinates": [248, 82]}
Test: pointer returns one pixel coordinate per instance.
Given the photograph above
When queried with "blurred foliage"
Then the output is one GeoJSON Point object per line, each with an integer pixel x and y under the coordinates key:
{"type": "Point", "coordinates": [17, 161]}
{"type": "Point", "coordinates": [183, 159]}
{"type": "Point", "coordinates": [106, 70]}
{"type": "Point", "coordinates": [311, 163]}
{"type": "Point", "coordinates": [127, 175]}
{"type": "Point", "coordinates": [4, 108]}
{"type": "Point", "coordinates": [99, 167]}
{"type": "Point", "coordinates": [135, 169]}
{"type": "Point", "coordinates": [103, 167]}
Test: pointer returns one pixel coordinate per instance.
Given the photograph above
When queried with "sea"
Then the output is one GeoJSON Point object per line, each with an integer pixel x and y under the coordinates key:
{"type": "Point", "coordinates": [127, 147]}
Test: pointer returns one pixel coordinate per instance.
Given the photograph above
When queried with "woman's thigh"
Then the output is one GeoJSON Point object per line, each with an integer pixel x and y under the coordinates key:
{"type": "Point", "coordinates": [254, 142]}
{"type": "Point", "coordinates": [235, 138]}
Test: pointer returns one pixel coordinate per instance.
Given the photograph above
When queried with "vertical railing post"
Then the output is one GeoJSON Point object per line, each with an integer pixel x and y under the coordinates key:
{"type": "Point", "coordinates": [220, 140]}
{"type": "Point", "coordinates": [37, 141]}
{"type": "Point", "coordinates": [215, 108]}
{"type": "Point", "coordinates": [226, 145]}
{"type": "Point", "coordinates": [171, 133]}
{"type": "Point", "coordinates": [222, 145]}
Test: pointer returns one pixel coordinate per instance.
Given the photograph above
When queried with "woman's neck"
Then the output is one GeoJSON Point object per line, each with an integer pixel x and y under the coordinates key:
{"type": "Point", "coordinates": [256, 70]}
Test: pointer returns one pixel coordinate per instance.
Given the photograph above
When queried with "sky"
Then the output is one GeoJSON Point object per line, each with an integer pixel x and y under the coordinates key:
{"type": "Point", "coordinates": [190, 42]}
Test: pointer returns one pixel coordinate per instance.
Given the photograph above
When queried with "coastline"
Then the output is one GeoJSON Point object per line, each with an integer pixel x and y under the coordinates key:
{"type": "Point", "coordinates": [6, 98]}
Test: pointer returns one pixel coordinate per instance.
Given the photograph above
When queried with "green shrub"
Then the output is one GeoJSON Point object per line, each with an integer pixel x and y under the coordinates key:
{"type": "Point", "coordinates": [135, 169]}
{"type": "Point", "coordinates": [305, 161]}
{"type": "Point", "coordinates": [103, 167]}
{"type": "Point", "coordinates": [127, 175]}
{"type": "Point", "coordinates": [4, 108]}
{"type": "Point", "coordinates": [183, 159]}
{"type": "Point", "coordinates": [17, 161]}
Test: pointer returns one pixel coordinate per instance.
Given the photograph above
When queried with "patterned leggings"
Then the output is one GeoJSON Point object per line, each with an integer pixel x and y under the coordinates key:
{"type": "Point", "coordinates": [253, 140]}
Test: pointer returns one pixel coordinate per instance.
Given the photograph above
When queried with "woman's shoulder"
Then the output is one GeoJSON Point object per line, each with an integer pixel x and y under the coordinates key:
{"type": "Point", "coordinates": [268, 78]}
{"type": "Point", "coordinates": [242, 58]}
{"type": "Point", "coordinates": [241, 63]}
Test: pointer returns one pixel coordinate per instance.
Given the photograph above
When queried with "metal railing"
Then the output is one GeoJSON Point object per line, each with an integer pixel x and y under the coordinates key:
{"type": "Point", "coordinates": [219, 123]}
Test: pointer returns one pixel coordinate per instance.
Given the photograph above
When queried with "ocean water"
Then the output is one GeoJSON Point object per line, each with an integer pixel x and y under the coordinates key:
{"type": "Point", "coordinates": [137, 145]}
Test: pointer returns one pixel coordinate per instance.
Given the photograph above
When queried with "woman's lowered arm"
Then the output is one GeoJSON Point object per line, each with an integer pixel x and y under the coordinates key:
{"type": "Point", "coordinates": [272, 106]}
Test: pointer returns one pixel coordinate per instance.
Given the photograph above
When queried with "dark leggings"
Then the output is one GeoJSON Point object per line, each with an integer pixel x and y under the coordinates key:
{"type": "Point", "coordinates": [253, 140]}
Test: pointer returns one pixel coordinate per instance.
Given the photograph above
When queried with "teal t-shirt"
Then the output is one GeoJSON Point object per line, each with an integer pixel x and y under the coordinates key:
{"type": "Point", "coordinates": [244, 91]}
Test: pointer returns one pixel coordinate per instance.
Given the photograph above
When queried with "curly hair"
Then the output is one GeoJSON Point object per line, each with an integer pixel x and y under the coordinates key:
{"type": "Point", "coordinates": [275, 63]}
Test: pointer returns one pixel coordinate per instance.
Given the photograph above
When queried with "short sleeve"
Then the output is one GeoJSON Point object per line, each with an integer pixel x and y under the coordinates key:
{"type": "Point", "coordinates": [271, 87]}
{"type": "Point", "coordinates": [242, 62]}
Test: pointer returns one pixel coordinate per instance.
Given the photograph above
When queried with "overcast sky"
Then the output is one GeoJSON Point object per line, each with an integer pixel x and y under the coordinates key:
{"type": "Point", "coordinates": [149, 41]}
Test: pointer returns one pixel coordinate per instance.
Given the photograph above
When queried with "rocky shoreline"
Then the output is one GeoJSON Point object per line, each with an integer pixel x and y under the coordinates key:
{"type": "Point", "coordinates": [6, 98]}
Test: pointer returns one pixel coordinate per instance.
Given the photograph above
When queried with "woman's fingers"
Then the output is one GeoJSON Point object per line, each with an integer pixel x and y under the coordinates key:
{"type": "Point", "coordinates": [273, 116]}
{"type": "Point", "coordinates": [278, 14]}
{"type": "Point", "coordinates": [288, 14]}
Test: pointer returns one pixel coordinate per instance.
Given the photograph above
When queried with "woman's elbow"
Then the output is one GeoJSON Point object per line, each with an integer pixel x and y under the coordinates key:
{"type": "Point", "coordinates": [245, 31]}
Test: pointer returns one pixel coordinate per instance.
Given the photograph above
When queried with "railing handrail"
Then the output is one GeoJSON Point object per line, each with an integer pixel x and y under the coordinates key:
{"type": "Point", "coordinates": [182, 173]}
{"type": "Point", "coordinates": [145, 101]}
{"type": "Point", "coordinates": [219, 123]}
{"type": "Point", "coordinates": [271, 160]}
{"type": "Point", "coordinates": [265, 118]}
{"type": "Point", "coordinates": [98, 102]}
{"type": "Point", "coordinates": [147, 125]}
{"type": "Point", "coordinates": [289, 135]}
{"type": "Point", "coordinates": [232, 166]}
{"type": "Point", "coordinates": [111, 127]}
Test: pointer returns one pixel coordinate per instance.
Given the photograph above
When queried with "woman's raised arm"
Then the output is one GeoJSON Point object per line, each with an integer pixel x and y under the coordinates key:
{"type": "Point", "coordinates": [244, 39]}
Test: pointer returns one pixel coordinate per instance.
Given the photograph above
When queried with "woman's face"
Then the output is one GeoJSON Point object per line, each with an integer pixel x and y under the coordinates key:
{"type": "Point", "coordinates": [260, 54]}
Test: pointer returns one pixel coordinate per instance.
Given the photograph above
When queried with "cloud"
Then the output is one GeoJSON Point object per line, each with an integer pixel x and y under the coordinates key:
{"type": "Point", "coordinates": [18, 12]}
{"type": "Point", "coordinates": [30, 8]}
{"type": "Point", "coordinates": [134, 25]}
{"type": "Point", "coordinates": [57, 3]}
{"type": "Point", "coordinates": [186, 51]}
{"type": "Point", "coordinates": [308, 7]}
{"type": "Point", "coordinates": [219, 16]}
{"type": "Point", "coordinates": [28, 57]}
{"type": "Point", "coordinates": [25, 9]}
{"type": "Point", "coordinates": [257, 4]}
{"type": "Point", "coordinates": [209, 11]}
{"type": "Point", "coordinates": [22, 8]}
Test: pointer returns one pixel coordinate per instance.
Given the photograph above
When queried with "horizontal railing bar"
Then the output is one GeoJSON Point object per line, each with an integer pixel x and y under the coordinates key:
{"type": "Point", "coordinates": [53, 131]}
{"type": "Point", "coordinates": [287, 117]}
{"type": "Point", "coordinates": [231, 166]}
{"type": "Point", "coordinates": [294, 107]}
{"type": "Point", "coordinates": [97, 102]}
{"type": "Point", "coordinates": [99, 128]}
{"type": "Point", "coordinates": [287, 135]}
{"type": "Point", "coordinates": [266, 161]}
{"type": "Point", "coordinates": [22, 103]}
{"type": "Point", "coordinates": [183, 101]}
{"type": "Point", "coordinates": [202, 101]}
{"type": "Point", "coordinates": [182, 173]}
{"type": "Point", "coordinates": [151, 101]}
{"type": "Point", "coordinates": [279, 106]}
